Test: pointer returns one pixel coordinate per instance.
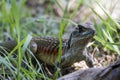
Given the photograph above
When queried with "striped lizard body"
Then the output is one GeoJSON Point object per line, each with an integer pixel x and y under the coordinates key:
{"type": "Point", "coordinates": [73, 49]}
{"type": "Point", "coordinates": [48, 49]}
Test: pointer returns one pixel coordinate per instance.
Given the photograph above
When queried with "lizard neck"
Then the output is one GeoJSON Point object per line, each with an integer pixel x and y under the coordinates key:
{"type": "Point", "coordinates": [77, 46]}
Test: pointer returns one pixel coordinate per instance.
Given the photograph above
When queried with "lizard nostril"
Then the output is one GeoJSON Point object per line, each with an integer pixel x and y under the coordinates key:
{"type": "Point", "coordinates": [93, 32]}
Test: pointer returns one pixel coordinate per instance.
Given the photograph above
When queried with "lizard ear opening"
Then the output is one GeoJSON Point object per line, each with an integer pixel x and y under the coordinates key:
{"type": "Point", "coordinates": [74, 33]}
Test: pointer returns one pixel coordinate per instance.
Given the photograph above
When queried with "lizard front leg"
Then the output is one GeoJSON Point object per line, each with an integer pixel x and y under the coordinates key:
{"type": "Point", "coordinates": [89, 59]}
{"type": "Point", "coordinates": [69, 58]}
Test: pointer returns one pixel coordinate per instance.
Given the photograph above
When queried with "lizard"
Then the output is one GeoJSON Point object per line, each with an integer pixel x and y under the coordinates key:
{"type": "Point", "coordinates": [74, 50]}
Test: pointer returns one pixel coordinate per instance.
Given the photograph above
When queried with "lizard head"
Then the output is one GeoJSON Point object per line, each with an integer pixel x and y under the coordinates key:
{"type": "Point", "coordinates": [78, 40]}
{"type": "Point", "coordinates": [81, 35]}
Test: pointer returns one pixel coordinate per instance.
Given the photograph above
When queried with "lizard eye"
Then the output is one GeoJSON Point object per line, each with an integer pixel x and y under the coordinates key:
{"type": "Point", "coordinates": [81, 28]}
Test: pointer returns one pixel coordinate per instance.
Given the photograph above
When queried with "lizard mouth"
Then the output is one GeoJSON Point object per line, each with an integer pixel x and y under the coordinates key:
{"type": "Point", "coordinates": [88, 33]}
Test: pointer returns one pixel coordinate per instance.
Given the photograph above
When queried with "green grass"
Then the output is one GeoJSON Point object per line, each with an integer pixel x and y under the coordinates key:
{"type": "Point", "coordinates": [107, 33]}
{"type": "Point", "coordinates": [20, 25]}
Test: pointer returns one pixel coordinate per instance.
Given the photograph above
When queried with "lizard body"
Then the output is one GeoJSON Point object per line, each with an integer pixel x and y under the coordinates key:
{"type": "Point", "coordinates": [73, 49]}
